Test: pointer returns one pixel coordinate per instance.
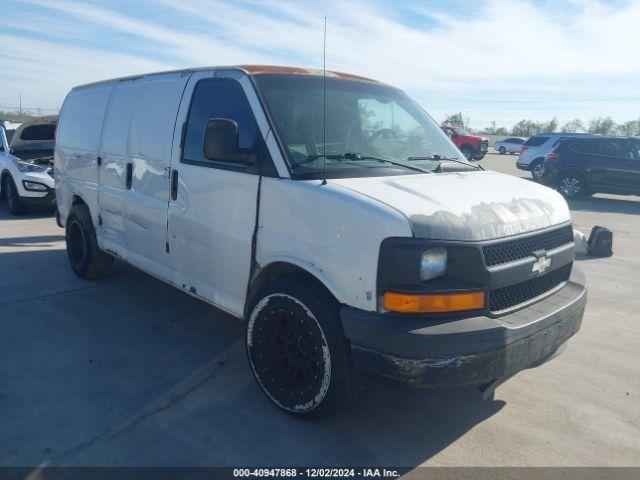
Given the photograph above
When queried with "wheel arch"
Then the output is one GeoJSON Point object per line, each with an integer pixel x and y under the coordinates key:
{"type": "Point", "coordinates": [468, 145]}
{"type": "Point", "coordinates": [279, 268]}
{"type": "Point", "coordinates": [4, 174]}
{"type": "Point", "coordinates": [576, 170]}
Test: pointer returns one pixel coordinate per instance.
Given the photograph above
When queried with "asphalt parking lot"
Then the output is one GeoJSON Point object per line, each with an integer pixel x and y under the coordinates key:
{"type": "Point", "coordinates": [130, 371]}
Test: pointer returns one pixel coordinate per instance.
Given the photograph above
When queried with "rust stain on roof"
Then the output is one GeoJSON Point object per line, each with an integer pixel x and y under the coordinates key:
{"type": "Point", "coordinates": [278, 70]}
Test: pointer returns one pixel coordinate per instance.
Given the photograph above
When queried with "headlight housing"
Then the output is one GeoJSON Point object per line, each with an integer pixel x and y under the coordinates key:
{"type": "Point", "coordinates": [433, 263]}
{"type": "Point", "coordinates": [25, 167]}
{"type": "Point", "coordinates": [34, 186]}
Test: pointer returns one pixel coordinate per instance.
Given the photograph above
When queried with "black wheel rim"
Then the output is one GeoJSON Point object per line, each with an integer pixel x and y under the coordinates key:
{"type": "Point", "coordinates": [76, 244]}
{"type": "Point", "coordinates": [287, 355]}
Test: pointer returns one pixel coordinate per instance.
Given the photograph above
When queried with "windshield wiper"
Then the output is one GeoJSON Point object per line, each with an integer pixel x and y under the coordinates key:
{"type": "Point", "coordinates": [444, 160]}
{"type": "Point", "coordinates": [352, 156]}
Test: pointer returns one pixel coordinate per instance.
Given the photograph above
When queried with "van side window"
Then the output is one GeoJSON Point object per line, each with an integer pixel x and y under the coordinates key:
{"type": "Point", "coordinates": [217, 98]}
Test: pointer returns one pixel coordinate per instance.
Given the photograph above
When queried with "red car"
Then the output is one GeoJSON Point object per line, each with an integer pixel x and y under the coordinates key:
{"type": "Point", "coordinates": [474, 147]}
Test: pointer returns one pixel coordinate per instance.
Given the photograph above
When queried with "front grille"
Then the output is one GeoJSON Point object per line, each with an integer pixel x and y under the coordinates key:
{"type": "Point", "coordinates": [513, 250]}
{"type": "Point", "coordinates": [513, 295]}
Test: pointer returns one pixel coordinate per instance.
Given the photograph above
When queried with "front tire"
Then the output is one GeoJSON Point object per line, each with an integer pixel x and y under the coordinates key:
{"type": "Point", "coordinates": [467, 151]}
{"type": "Point", "coordinates": [297, 349]}
{"type": "Point", "coordinates": [86, 259]}
{"type": "Point", "coordinates": [502, 150]}
{"type": "Point", "coordinates": [15, 205]}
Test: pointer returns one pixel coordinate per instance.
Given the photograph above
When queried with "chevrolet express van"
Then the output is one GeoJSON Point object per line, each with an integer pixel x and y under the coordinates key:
{"type": "Point", "coordinates": [331, 214]}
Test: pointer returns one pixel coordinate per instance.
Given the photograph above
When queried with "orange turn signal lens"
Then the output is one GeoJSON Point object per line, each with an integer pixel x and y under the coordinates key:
{"type": "Point", "coordinates": [433, 303]}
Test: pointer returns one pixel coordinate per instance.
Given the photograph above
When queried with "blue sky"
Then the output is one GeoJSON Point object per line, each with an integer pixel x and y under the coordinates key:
{"type": "Point", "coordinates": [500, 60]}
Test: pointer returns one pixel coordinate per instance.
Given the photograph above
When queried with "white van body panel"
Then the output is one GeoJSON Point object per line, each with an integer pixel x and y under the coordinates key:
{"type": "Point", "coordinates": [114, 151]}
{"type": "Point", "coordinates": [77, 148]}
{"type": "Point", "coordinates": [459, 206]}
{"type": "Point", "coordinates": [329, 231]}
{"type": "Point", "coordinates": [150, 145]}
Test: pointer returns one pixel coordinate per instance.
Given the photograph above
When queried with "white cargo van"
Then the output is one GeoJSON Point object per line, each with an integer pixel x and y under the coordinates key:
{"type": "Point", "coordinates": [331, 214]}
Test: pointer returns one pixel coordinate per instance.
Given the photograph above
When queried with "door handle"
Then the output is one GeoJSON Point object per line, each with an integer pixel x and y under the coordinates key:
{"type": "Point", "coordinates": [174, 185]}
{"type": "Point", "coordinates": [129, 175]}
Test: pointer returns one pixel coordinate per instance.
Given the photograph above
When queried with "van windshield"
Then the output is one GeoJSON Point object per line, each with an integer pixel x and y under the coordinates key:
{"type": "Point", "coordinates": [366, 124]}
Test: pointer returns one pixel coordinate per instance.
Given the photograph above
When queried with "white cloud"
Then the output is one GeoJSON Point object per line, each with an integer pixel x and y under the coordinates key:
{"type": "Point", "coordinates": [506, 50]}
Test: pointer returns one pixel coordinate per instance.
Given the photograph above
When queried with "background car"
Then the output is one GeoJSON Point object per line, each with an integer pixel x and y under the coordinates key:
{"type": "Point", "coordinates": [533, 151]}
{"type": "Point", "coordinates": [26, 166]}
{"type": "Point", "coordinates": [509, 145]}
{"type": "Point", "coordinates": [473, 147]}
{"type": "Point", "coordinates": [582, 166]}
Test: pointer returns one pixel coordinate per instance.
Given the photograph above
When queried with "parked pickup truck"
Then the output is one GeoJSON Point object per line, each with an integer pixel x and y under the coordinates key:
{"type": "Point", "coordinates": [474, 147]}
{"type": "Point", "coordinates": [355, 242]}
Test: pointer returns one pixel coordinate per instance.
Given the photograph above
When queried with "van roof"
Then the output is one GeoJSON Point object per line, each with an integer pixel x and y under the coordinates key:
{"type": "Point", "coordinates": [248, 69]}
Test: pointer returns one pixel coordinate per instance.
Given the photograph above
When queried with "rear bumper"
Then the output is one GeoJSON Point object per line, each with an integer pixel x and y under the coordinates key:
{"type": "Point", "coordinates": [473, 350]}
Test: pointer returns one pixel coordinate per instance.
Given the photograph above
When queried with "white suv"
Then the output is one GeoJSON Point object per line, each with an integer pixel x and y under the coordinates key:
{"type": "Point", "coordinates": [534, 150]}
{"type": "Point", "coordinates": [26, 166]}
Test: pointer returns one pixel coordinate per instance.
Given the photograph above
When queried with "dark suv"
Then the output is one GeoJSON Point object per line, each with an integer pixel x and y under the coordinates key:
{"type": "Point", "coordinates": [582, 166]}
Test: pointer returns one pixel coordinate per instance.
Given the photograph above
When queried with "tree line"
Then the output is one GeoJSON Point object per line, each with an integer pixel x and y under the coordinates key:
{"type": "Point", "coordinates": [526, 128]}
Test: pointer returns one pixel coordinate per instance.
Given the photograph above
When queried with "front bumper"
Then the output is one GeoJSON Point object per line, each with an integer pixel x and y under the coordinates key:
{"type": "Point", "coordinates": [473, 350]}
{"type": "Point", "coordinates": [46, 200]}
{"type": "Point", "coordinates": [524, 166]}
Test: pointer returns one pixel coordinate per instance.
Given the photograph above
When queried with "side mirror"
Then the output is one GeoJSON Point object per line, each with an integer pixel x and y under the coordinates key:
{"type": "Point", "coordinates": [221, 142]}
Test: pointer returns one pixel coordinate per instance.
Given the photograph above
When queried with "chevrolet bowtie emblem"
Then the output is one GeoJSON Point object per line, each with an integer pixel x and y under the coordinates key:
{"type": "Point", "coordinates": [541, 264]}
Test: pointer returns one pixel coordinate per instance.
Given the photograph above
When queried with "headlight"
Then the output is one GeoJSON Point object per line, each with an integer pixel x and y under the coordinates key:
{"type": "Point", "coordinates": [34, 186]}
{"type": "Point", "coordinates": [433, 263]}
{"type": "Point", "coordinates": [28, 167]}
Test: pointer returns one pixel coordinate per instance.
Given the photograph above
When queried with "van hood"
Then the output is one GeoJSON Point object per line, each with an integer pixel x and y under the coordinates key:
{"type": "Point", "coordinates": [466, 206]}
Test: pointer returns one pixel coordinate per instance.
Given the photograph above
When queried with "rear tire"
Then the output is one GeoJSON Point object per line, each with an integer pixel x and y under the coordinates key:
{"type": "Point", "coordinates": [297, 350]}
{"type": "Point", "coordinates": [86, 259]}
{"type": "Point", "coordinates": [15, 205]}
{"type": "Point", "coordinates": [537, 170]}
{"type": "Point", "coordinates": [502, 150]}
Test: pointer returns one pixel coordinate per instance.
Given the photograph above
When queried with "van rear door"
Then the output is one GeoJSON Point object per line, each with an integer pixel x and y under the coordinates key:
{"type": "Point", "coordinates": [212, 213]}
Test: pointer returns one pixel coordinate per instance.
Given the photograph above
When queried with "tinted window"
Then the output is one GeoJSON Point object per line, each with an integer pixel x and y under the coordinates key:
{"type": "Point", "coordinates": [45, 131]}
{"type": "Point", "coordinates": [536, 141]}
{"type": "Point", "coordinates": [615, 148]}
{"type": "Point", "coordinates": [217, 98]}
{"type": "Point", "coordinates": [635, 150]}
{"type": "Point", "coordinates": [589, 146]}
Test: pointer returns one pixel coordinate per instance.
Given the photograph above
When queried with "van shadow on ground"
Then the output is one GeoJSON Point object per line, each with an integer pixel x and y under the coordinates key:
{"type": "Point", "coordinates": [110, 373]}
